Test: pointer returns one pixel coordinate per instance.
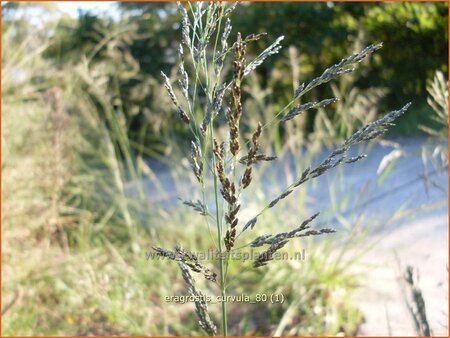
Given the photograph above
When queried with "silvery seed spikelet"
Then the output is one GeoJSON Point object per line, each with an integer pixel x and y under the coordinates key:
{"type": "Point", "coordinates": [278, 241]}
{"type": "Point", "coordinates": [185, 38]}
{"type": "Point", "coordinates": [306, 106]}
{"type": "Point", "coordinates": [345, 66]}
{"type": "Point", "coordinates": [183, 116]}
{"type": "Point", "coordinates": [184, 81]}
{"type": "Point", "coordinates": [196, 161]}
{"type": "Point", "coordinates": [188, 259]}
{"type": "Point", "coordinates": [272, 49]}
{"type": "Point", "coordinates": [201, 307]}
{"type": "Point", "coordinates": [197, 206]}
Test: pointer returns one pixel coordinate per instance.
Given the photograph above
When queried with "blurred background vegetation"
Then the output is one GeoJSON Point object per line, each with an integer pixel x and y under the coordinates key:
{"type": "Point", "coordinates": [140, 40]}
{"type": "Point", "coordinates": [85, 113]}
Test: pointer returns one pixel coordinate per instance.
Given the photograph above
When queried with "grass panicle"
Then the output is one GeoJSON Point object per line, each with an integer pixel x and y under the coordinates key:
{"type": "Point", "coordinates": [183, 116]}
{"type": "Point", "coordinates": [205, 34]}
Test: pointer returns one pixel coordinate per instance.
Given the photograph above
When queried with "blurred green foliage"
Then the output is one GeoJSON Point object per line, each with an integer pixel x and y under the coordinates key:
{"type": "Point", "coordinates": [415, 41]}
{"type": "Point", "coordinates": [143, 39]}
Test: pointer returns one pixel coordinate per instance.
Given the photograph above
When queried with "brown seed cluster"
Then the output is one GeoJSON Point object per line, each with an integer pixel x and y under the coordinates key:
{"type": "Point", "coordinates": [229, 194]}
{"type": "Point", "coordinates": [251, 157]}
{"type": "Point", "coordinates": [219, 153]}
{"type": "Point", "coordinates": [228, 189]}
{"type": "Point", "coordinates": [258, 157]}
{"type": "Point", "coordinates": [231, 218]}
{"type": "Point", "coordinates": [235, 111]}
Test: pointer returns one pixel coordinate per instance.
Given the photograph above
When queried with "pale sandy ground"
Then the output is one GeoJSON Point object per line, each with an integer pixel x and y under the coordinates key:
{"type": "Point", "coordinates": [419, 240]}
{"type": "Point", "coordinates": [422, 244]}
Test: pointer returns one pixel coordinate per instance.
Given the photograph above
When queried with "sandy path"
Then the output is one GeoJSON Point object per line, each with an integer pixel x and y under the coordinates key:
{"type": "Point", "coordinates": [424, 245]}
